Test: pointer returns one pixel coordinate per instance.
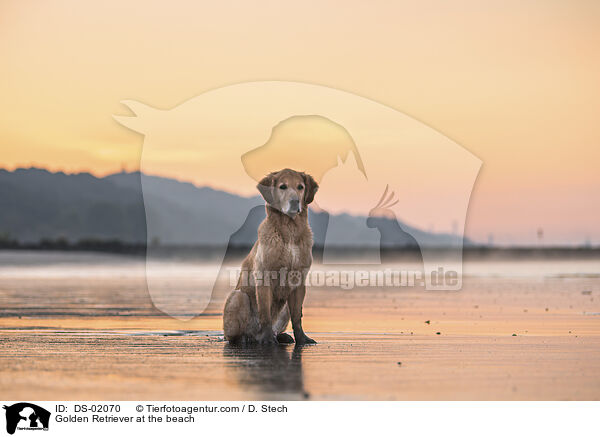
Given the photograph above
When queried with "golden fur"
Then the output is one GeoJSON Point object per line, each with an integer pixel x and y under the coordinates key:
{"type": "Point", "coordinates": [271, 287]}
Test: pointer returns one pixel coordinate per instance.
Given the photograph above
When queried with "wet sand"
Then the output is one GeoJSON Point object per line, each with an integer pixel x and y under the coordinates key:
{"type": "Point", "coordinates": [97, 337]}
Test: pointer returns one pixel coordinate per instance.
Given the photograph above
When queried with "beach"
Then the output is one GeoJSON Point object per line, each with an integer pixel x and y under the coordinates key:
{"type": "Point", "coordinates": [83, 326]}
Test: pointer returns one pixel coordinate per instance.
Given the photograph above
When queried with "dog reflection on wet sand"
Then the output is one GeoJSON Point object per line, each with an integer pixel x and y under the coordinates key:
{"type": "Point", "coordinates": [267, 368]}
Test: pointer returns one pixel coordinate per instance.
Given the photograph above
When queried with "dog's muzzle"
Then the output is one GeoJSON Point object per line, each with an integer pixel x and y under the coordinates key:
{"type": "Point", "coordinates": [293, 207]}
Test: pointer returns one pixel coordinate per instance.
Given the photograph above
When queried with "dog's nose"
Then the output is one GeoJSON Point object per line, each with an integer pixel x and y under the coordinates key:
{"type": "Point", "coordinates": [294, 205]}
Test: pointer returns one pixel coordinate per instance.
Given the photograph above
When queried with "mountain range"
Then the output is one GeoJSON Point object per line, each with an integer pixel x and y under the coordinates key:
{"type": "Point", "coordinates": [37, 204]}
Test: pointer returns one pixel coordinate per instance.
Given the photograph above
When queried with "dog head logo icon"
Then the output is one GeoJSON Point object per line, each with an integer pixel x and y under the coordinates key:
{"type": "Point", "coordinates": [26, 416]}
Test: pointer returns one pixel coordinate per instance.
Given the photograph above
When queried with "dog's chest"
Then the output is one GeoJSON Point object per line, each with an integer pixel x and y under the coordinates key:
{"type": "Point", "coordinates": [289, 256]}
{"type": "Point", "coordinates": [293, 254]}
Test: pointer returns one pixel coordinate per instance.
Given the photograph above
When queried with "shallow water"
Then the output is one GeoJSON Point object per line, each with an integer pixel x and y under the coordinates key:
{"type": "Point", "coordinates": [76, 326]}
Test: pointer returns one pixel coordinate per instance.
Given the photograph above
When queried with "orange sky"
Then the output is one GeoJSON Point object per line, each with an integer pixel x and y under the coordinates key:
{"type": "Point", "coordinates": [514, 82]}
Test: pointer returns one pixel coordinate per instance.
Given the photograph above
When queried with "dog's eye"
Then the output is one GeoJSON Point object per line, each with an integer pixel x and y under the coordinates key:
{"type": "Point", "coordinates": [283, 187]}
{"type": "Point", "coordinates": [301, 187]}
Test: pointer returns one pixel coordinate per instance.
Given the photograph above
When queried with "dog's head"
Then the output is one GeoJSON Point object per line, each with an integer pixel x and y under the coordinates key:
{"type": "Point", "coordinates": [288, 191]}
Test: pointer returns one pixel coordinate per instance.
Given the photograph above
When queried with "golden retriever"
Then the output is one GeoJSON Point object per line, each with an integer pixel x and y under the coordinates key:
{"type": "Point", "coordinates": [271, 286]}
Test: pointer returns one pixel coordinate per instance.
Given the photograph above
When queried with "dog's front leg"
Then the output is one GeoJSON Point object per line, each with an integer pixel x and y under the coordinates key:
{"type": "Point", "coordinates": [295, 302]}
{"type": "Point", "coordinates": [264, 297]}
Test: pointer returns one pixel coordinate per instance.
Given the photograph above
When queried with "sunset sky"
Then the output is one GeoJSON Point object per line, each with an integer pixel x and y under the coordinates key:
{"type": "Point", "coordinates": [516, 83]}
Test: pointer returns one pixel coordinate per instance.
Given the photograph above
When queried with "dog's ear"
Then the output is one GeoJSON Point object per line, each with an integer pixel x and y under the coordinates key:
{"type": "Point", "coordinates": [311, 188]}
{"type": "Point", "coordinates": [265, 187]}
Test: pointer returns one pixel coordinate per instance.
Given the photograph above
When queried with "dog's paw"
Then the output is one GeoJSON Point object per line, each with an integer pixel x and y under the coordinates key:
{"type": "Point", "coordinates": [285, 338]}
{"type": "Point", "coordinates": [305, 339]}
{"type": "Point", "coordinates": [267, 338]}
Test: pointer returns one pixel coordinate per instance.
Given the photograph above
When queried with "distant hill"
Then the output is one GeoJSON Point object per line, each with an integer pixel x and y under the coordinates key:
{"type": "Point", "coordinates": [36, 204]}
